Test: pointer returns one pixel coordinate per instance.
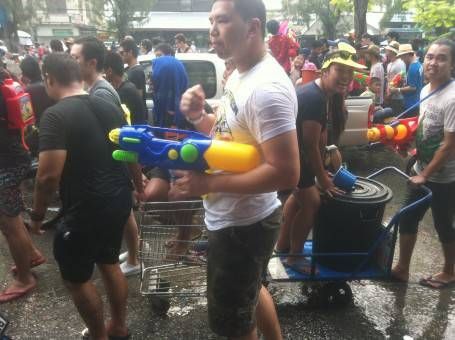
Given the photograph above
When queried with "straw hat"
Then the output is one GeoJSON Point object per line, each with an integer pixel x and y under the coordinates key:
{"type": "Point", "coordinates": [405, 49]}
{"type": "Point", "coordinates": [373, 49]}
{"type": "Point", "coordinates": [393, 46]}
{"type": "Point", "coordinates": [342, 56]}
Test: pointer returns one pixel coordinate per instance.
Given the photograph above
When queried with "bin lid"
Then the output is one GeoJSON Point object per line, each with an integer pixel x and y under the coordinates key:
{"type": "Point", "coordinates": [366, 191]}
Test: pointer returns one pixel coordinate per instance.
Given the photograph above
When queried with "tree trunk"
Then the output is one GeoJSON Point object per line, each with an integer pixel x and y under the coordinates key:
{"type": "Point", "coordinates": [360, 18]}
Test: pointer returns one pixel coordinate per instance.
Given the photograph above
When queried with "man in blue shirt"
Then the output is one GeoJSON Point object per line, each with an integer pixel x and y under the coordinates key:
{"type": "Point", "coordinates": [414, 79]}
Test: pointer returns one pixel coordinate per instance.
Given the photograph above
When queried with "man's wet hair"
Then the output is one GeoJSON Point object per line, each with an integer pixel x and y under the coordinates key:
{"type": "Point", "coordinates": [30, 68]}
{"type": "Point", "coordinates": [394, 35]}
{"type": "Point", "coordinates": [273, 26]}
{"type": "Point", "coordinates": [180, 38]}
{"type": "Point", "coordinates": [250, 9]}
{"type": "Point", "coordinates": [56, 45]}
{"type": "Point", "coordinates": [130, 46]}
{"type": "Point", "coordinates": [165, 48]}
{"type": "Point", "coordinates": [62, 67]}
{"type": "Point", "coordinates": [147, 44]}
{"type": "Point", "coordinates": [115, 63]}
{"type": "Point", "coordinates": [93, 48]}
{"type": "Point", "coordinates": [316, 44]}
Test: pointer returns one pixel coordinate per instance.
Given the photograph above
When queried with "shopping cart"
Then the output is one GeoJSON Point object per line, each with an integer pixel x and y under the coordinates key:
{"type": "Point", "coordinates": [172, 251]}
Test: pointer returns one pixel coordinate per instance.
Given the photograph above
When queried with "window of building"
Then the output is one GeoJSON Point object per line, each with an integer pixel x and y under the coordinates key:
{"type": "Point", "coordinates": [56, 6]}
{"type": "Point", "coordinates": [62, 32]}
{"type": "Point", "coordinates": [183, 5]}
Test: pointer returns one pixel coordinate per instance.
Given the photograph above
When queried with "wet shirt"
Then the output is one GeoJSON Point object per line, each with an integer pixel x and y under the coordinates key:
{"type": "Point", "coordinates": [136, 75]}
{"type": "Point", "coordinates": [40, 99]}
{"type": "Point", "coordinates": [80, 125]}
{"type": "Point", "coordinates": [313, 106]}
{"type": "Point", "coordinates": [257, 105]}
{"type": "Point", "coordinates": [12, 152]}
{"type": "Point", "coordinates": [103, 89]}
{"type": "Point", "coordinates": [437, 114]}
{"type": "Point", "coordinates": [131, 98]}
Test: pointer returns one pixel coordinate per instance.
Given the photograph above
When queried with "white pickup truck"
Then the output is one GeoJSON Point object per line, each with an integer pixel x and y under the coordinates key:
{"type": "Point", "coordinates": [207, 69]}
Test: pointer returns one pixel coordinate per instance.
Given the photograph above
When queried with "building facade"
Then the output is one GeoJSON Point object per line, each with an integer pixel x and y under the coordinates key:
{"type": "Point", "coordinates": [60, 19]}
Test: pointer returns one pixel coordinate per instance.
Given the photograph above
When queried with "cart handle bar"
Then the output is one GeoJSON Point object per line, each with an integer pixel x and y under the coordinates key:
{"type": "Point", "coordinates": [413, 205]}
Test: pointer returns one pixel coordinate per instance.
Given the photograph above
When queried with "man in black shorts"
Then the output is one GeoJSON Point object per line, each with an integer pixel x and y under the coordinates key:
{"type": "Point", "coordinates": [95, 191]}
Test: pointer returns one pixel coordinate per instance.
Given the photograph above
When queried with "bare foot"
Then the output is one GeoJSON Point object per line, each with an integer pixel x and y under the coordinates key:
{"type": "Point", "coordinates": [115, 330]}
{"type": "Point", "coordinates": [444, 277]}
{"type": "Point", "coordinates": [400, 274]}
{"type": "Point", "coordinates": [17, 285]}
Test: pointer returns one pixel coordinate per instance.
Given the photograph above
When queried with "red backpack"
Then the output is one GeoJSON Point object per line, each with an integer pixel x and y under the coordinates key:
{"type": "Point", "coordinates": [19, 109]}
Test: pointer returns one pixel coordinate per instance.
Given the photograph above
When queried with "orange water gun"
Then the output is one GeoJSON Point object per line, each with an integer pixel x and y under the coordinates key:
{"type": "Point", "coordinates": [398, 133]}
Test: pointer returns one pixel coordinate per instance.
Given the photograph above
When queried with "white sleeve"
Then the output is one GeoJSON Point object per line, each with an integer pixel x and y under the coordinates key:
{"type": "Point", "coordinates": [449, 116]}
{"type": "Point", "coordinates": [272, 111]}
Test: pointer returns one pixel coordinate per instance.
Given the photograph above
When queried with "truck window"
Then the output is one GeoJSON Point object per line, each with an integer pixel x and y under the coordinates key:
{"type": "Point", "coordinates": [202, 72]}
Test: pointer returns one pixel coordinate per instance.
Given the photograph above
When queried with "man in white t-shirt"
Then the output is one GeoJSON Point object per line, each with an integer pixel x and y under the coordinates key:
{"type": "Point", "coordinates": [394, 67]}
{"type": "Point", "coordinates": [377, 69]}
{"type": "Point", "coordinates": [435, 166]}
{"type": "Point", "coordinates": [243, 212]}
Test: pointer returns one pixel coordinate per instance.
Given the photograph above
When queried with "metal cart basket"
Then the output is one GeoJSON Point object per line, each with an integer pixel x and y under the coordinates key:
{"type": "Point", "coordinates": [172, 252]}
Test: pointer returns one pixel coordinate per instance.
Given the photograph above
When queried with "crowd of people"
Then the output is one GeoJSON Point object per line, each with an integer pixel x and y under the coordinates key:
{"type": "Point", "coordinates": [81, 95]}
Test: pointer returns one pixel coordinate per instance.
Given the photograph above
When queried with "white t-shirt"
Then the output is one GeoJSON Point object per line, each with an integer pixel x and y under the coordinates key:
{"type": "Point", "coordinates": [393, 68]}
{"type": "Point", "coordinates": [257, 105]}
{"type": "Point", "coordinates": [377, 71]}
{"type": "Point", "coordinates": [437, 114]}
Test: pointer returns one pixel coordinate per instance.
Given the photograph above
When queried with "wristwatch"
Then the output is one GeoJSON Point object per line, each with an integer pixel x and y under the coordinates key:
{"type": "Point", "coordinates": [36, 217]}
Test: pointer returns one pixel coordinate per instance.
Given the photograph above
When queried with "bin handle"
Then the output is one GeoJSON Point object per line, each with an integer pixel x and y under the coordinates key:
{"type": "Point", "coordinates": [411, 206]}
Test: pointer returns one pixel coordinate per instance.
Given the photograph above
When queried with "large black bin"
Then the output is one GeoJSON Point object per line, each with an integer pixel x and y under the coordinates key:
{"type": "Point", "coordinates": [350, 224]}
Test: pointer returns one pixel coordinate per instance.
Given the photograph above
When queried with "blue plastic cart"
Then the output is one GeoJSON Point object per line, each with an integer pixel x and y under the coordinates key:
{"type": "Point", "coordinates": [325, 286]}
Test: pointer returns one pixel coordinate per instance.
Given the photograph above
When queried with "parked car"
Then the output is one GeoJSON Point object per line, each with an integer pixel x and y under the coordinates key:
{"type": "Point", "coordinates": [207, 69]}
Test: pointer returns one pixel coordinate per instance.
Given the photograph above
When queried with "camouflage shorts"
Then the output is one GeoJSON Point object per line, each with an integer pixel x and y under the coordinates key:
{"type": "Point", "coordinates": [11, 203]}
{"type": "Point", "coordinates": [237, 263]}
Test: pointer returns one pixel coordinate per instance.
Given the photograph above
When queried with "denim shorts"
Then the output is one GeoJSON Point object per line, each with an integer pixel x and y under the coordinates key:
{"type": "Point", "coordinates": [237, 263]}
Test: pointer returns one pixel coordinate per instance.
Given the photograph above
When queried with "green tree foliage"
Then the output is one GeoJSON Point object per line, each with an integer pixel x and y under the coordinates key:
{"type": "Point", "coordinates": [327, 11]}
{"type": "Point", "coordinates": [20, 15]}
{"type": "Point", "coordinates": [392, 7]}
{"type": "Point", "coordinates": [126, 11]}
{"type": "Point", "coordinates": [435, 16]}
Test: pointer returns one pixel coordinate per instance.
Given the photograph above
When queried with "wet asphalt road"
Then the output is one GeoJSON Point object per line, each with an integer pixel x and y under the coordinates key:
{"type": "Point", "coordinates": [380, 310]}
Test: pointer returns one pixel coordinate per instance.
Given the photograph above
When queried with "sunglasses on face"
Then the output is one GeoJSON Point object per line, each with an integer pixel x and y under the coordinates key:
{"type": "Point", "coordinates": [341, 54]}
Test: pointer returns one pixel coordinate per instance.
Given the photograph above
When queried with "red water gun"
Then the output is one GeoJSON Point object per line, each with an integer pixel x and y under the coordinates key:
{"type": "Point", "coordinates": [398, 80]}
{"type": "Point", "coordinates": [398, 134]}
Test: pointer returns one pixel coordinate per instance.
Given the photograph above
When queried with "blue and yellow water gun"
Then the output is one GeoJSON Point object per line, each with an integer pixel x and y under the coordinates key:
{"type": "Point", "coordinates": [196, 151]}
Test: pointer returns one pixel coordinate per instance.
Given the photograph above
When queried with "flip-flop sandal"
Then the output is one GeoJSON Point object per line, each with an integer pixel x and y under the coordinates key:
{"type": "Point", "coordinates": [430, 282]}
{"type": "Point", "coordinates": [33, 263]}
{"type": "Point", "coordinates": [14, 294]}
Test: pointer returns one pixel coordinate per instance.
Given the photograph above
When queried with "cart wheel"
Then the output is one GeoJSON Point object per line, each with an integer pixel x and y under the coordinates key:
{"type": "Point", "coordinates": [160, 305]}
{"type": "Point", "coordinates": [313, 294]}
{"type": "Point", "coordinates": [337, 294]}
